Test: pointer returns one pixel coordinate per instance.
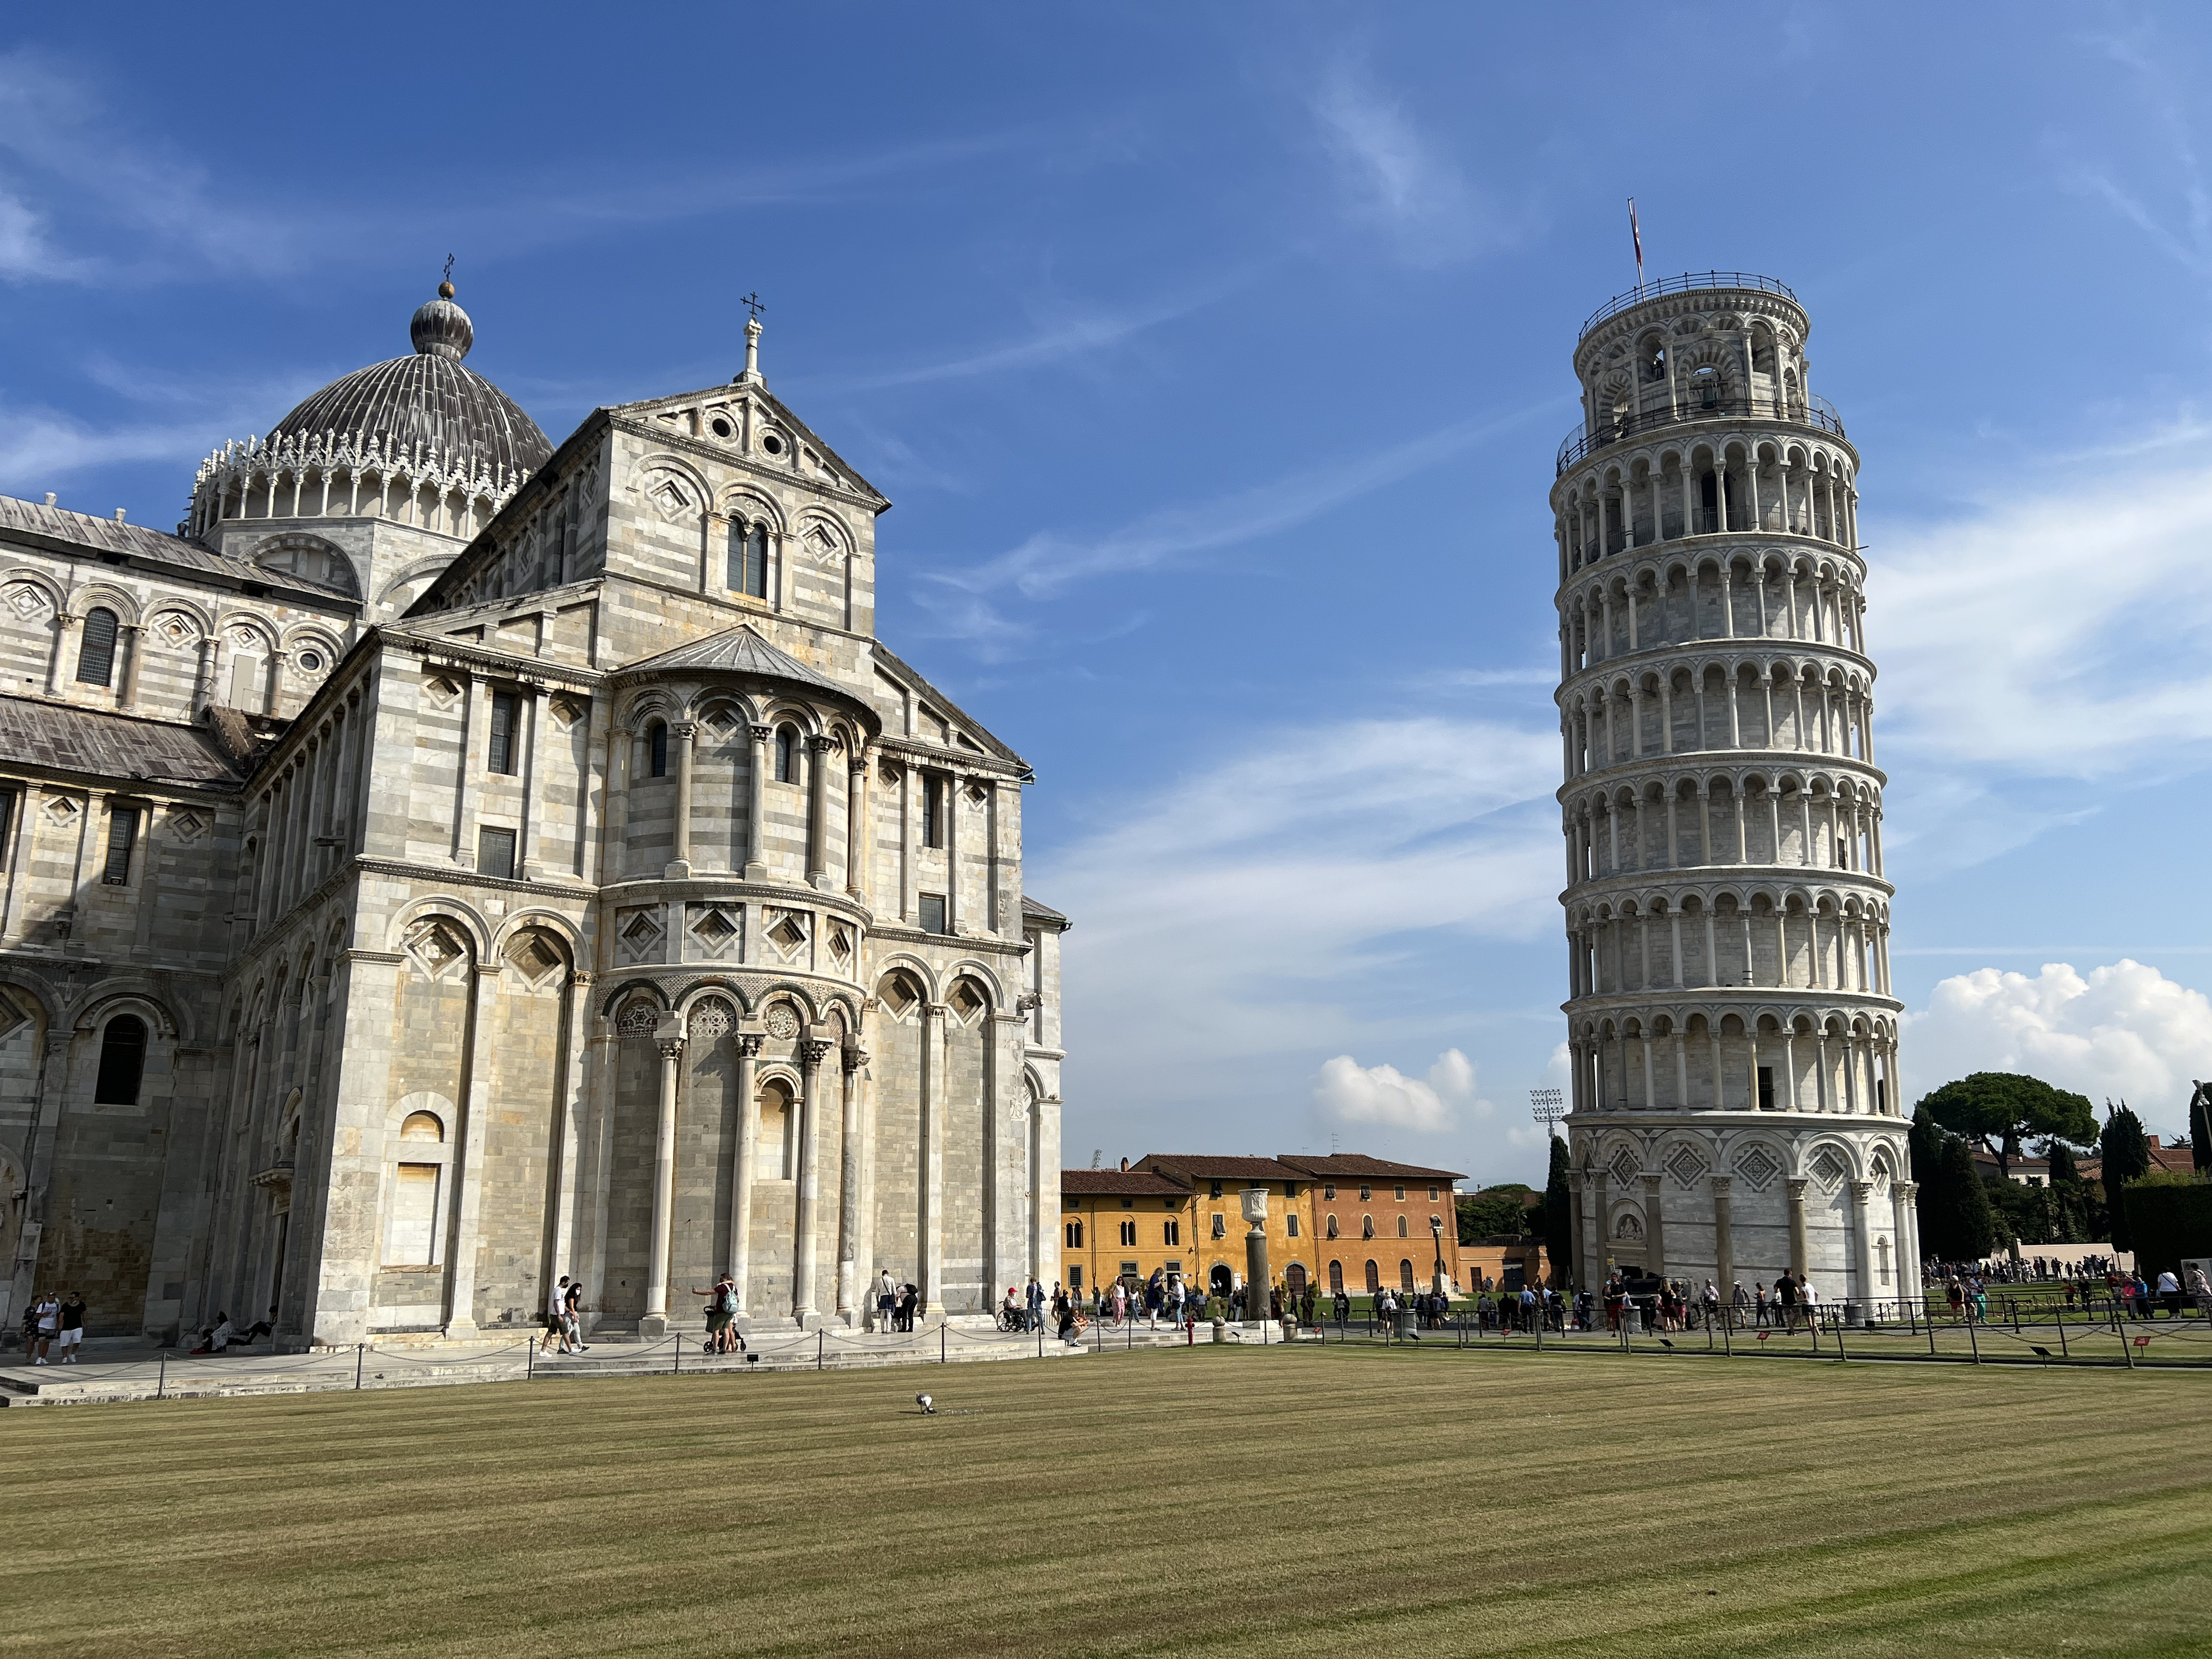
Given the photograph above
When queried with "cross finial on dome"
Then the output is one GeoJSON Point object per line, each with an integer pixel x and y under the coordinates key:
{"type": "Point", "coordinates": [445, 282]}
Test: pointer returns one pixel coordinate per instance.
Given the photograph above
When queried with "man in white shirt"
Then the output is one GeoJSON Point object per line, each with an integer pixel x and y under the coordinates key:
{"type": "Point", "coordinates": [556, 1317]}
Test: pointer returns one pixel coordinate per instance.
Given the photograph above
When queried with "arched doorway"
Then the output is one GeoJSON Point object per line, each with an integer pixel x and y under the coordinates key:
{"type": "Point", "coordinates": [1294, 1278]}
{"type": "Point", "coordinates": [1221, 1281]}
{"type": "Point", "coordinates": [1374, 1279]}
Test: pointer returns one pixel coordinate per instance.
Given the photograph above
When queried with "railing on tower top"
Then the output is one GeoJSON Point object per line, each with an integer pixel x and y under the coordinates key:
{"type": "Point", "coordinates": [1687, 283]}
{"type": "Point", "coordinates": [1817, 413]}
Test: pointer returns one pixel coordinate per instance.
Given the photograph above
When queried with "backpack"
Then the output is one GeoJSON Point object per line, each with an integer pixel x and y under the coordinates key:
{"type": "Point", "coordinates": [725, 1298]}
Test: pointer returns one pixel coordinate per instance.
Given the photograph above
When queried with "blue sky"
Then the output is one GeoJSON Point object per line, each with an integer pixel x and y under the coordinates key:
{"type": "Point", "coordinates": [1215, 360]}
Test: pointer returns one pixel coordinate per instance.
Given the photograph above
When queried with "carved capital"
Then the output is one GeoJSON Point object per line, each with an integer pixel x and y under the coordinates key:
{"type": "Point", "coordinates": [821, 744]}
{"type": "Point", "coordinates": [1720, 1184]}
{"type": "Point", "coordinates": [1796, 1190]}
{"type": "Point", "coordinates": [762, 733]}
{"type": "Point", "coordinates": [580, 978]}
{"type": "Point", "coordinates": [684, 731]}
{"type": "Point", "coordinates": [854, 1060]}
{"type": "Point", "coordinates": [670, 1047]}
{"type": "Point", "coordinates": [811, 1052]}
{"type": "Point", "coordinates": [1907, 1190]}
{"type": "Point", "coordinates": [749, 1044]}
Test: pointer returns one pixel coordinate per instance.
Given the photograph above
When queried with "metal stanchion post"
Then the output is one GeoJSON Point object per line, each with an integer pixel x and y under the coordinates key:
{"type": "Point", "coordinates": [529, 1361]}
{"type": "Point", "coordinates": [821, 1342]}
{"type": "Point", "coordinates": [360, 1350]}
{"type": "Point", "coordinates": [2127, 1352]}
{"type": "Point", "coordinates": [1840, 1354]}
{"type": "Point", "coordinates": [2060, 1322]}
{"type": "Point", "coordinates": [1727, 1334]}
{"type": "Point", "coordinates": [678, 1369]}
{"type": "Point", "coordinates": [1973, 1341]}
{"type": "Point", "coordinates": [161, 1380]}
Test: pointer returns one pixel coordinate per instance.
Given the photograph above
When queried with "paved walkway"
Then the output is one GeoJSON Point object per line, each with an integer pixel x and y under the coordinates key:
{"type": "Point", "coordinates": [108, 1375]}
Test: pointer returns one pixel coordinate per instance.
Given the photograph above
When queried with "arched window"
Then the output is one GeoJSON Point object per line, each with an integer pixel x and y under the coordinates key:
{"type": "Point", "coordinates": [122, 1062]}
{"type": "Point", "coordinates": [1367, 1226]}
{"type": "Point", "coordinates": [774, 1137]}
{"type": "Point", "coordinates": [1336, 1279]}
{"type": "Point", "coordinates": [1374, 1279]}
{"type": "Point", "coordinates": [1401, 1227]}
{"type": "Point", "coordinates": [747, 570]}
{"type": "Point", "coordinates": [1332, 1226]}
{"type": "Point", "coordinates": [787, 754]}
{"type": "Point", "coordinates": [95, 655]}
{"type": "Point", "coordinates": [1075, 1235]}
{"type": "Point", "coordinates": [656, 737]}
{"type": "Point", "coordinates": [422, 1125]}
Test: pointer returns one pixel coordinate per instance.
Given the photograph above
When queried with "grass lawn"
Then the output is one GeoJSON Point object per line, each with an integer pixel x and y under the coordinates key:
{"type": "Point", "coordinates": [1308, 1500]}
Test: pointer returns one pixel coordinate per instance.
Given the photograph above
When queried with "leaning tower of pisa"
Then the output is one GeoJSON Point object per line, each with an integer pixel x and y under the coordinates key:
{"type": "Point", "coordinates": [1737, 1108]}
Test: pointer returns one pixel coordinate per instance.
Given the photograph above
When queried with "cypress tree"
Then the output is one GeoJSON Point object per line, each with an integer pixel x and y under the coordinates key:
{"type": "Point", "coordinates": [1925, 1147]}
{"type": "Point", "coordinates": [2127, 1157]}
{"type": "Point", "coordinates": [1560, 1217]}
{"type": "Point", "coordinates": [1977, 1227]}
{"type": "Point", "coordinates": [2200, 1129]}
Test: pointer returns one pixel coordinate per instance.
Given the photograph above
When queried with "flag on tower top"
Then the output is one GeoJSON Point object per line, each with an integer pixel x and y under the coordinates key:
{"type": "Point", "coordinates": [1635, 238]}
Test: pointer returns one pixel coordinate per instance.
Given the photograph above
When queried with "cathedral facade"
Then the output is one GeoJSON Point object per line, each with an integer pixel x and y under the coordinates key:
{"type": "Point", "coordinates": [1737, 1108]}
{"type": "Point", "coordinates": [449, 862]}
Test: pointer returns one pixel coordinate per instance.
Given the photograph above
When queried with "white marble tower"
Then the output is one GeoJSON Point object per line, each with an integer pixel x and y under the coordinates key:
{"type": "Point", "coordinates": [1736, 1102]}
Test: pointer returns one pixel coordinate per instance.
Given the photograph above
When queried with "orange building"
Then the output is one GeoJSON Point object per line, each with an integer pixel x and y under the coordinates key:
{"type": "Point", "coordinates": [1217, 1186]}
{"type": "Point", "coordinates": [1121, 1224]}
{"type": "Point", "coordinates": [1373, 1223]}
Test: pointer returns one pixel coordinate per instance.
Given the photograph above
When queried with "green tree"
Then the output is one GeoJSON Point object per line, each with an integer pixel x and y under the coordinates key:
{"type": "Point", "coordinates": [2069, 1202]}
{"type": "Point", "coordinates": [1494, 1210]}
{"type": "Point", "coordinates": [1925, 1149]}
{"type": "Point", "coordinates": [1559, 1217]}
{"type": "Point", "coordinates": [2127, 1157]}
{"type": "Point", "coordinates": [1974, 1227]}
{"type": "Point", "coordinates": [2001, 1109]}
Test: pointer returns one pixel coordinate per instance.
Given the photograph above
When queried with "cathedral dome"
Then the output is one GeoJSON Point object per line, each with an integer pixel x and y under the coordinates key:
{"type": "Point", "coordinates": [429, 400]}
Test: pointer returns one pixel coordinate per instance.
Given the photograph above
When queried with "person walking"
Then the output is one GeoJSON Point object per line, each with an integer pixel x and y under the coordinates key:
{"type": "Point", "coordinates": [556, 1317]}
{"type": "Point", "coordinates": [70, 1317]}
{"type": "Point", "coordinates": [1785, 1298]}
{"type": "Point", "coordinates": [2169, 1292]}
{"type": "Point", "coordinates": [48, 1313]}
{"type": "Point", "coordinates": [1033, 1299]}
{"type": "Point", "coordinates": [573, 1304]}
{"type": "Point", "coordinates": [1809, 1299]}
{"type": "Point", "coordinates": [886, 1301]}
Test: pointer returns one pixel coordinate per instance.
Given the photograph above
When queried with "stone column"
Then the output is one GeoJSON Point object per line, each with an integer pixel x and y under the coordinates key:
{"type": "Point", "coordinates": [464, 787]}
{"type": "Point", "coordinates": [655, 1325]}
{"type": "Point", "coordinates": [742, 1166]}
{"type": "Point", "coordinates": [929, 1241]}
{"type": "Point", "coordinates": [1905, 1227]}
{"type": "Point", "coordinates": [809, 1180]}
{"type": "Point", "coordinates": [681, 732]}
{"type": "Point", "coordinates": [818, 750]}
{"type": "Point", "coordinates": [1601, 1225]}
{"type": "Point", "coordinates": [134, 651]}
{"type": "Point", "coordinates": [1724, 1236]}
{"type": "Point", "coordinates": [529, 711]}
{"type": "Point", "coordinates": [954, 915]}
{"type": "Point", "coordinates": [856, 826]}
{"type": "Point", "coordinates": [1655, 1228]}
{"type": "Point", "coordinates": [756, 822]}
{"type": "Point", "coordinates": [570, 1140]}
{"type": "Point", "coordinates": [210, 663]}
{"type": "Point", "coordinates": [1796, 1190]}
{"type": "Point", "coordinates": [272, 695]}
{"type": "Point", "coordinates": [848, 1190]}
{"type": "Point", "coordinates": [468, 1193]}
{"type": "Point", "coordinates": [1862, 1244]}
{"type": "Point", "coordinates": [1577, 1243]}
{"type": "Point", "coordinates": [1256, 1278]}
{"type": "Point", "coordinates": [65, 629]}
{"type": "Point", "coordinates": [614, 823]}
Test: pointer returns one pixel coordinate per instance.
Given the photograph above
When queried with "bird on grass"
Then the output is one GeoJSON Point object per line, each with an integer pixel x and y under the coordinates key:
{"type": "Point", "coordinates": [929, 1406]}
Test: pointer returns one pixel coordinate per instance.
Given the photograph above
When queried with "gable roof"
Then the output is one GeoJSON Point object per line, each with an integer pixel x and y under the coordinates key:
{"type": "Point", "coordinates": [1359, 1163]}
{"type": "Point", "coordinates": [58, 528]}
{"type": "Point", "coordinates": [1205, 1167]}
{"type": "Point", "coordinates": [736, 651]}
{"type": "Point", "coordinates": [1121, 1183]}
{"type": "Point", "coordinates": [1032, 911]}
{"type": "Point", "coordinates": [93, 740]}
{"type": "Point", "coordinates": [733, 391]}
{"type": "Point", "coordinates": [907, 672]}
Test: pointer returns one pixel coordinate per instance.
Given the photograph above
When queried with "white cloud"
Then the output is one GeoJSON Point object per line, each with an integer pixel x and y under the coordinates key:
{"type": "Point", "coordinates": [1348, 1092]}
{"type": "Point", "coordinates": [2120, 1031]}
{"type": "Point", "coordinates": [1397, 181]}
{"type": "Point", "coordinates": [1251, 916]}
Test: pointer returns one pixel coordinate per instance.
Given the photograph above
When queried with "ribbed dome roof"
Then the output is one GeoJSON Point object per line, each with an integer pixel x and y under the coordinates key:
{"type": "Point", "coordinates": [428, 399]}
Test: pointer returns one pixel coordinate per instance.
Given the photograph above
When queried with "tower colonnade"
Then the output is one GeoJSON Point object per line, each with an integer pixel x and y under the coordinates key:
{"type": "Point", "coordinates": [1732, 1027]}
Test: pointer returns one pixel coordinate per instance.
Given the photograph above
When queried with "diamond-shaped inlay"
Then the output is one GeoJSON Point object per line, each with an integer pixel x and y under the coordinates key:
{"type": "Point", "coordinates": [533, 957]}
{"type": "Point", "coordinates": [715, 928]}
{"type": "Point", "coordinates": [899, 996]}
{"type": "Point", "coordinates": [840, 942]}
{"type": "Point", "coordinates": [187, 825]}
{"type": "Point", "coordinates": [787, 935]}
{"type": "Point", "coordinates": [434, 946]}
{"type": "Point", "coordinates": [1624, 1167]}
{"type": "Point", "coordinates": [175, 631]}
{"type": "Point", "coordinates": [26, 601]}
{"type": "Point", "coordinates": [1758, 1168]}
{"type": "Point", "coordinates": [1827, 1169]}
{"type": "Point", "coordinates": [966, 1002]}
{"type": "Point", "coordinates": [62, 810]}
{"type": "Point", "coordinates": [1685, 1165]}
{"type": "Point", "coordinates": [642, 929]}
{"type": "Point", "coordinates": [440, 690]}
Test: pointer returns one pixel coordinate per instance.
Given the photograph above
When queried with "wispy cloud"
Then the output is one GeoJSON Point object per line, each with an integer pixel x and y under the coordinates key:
{"type": "Point", "coordinates": [1396, 179]}
{"type": "Point", "coordinates": [1051, 560]}
{"type": "Point", "coordinates": [2184, 237]}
